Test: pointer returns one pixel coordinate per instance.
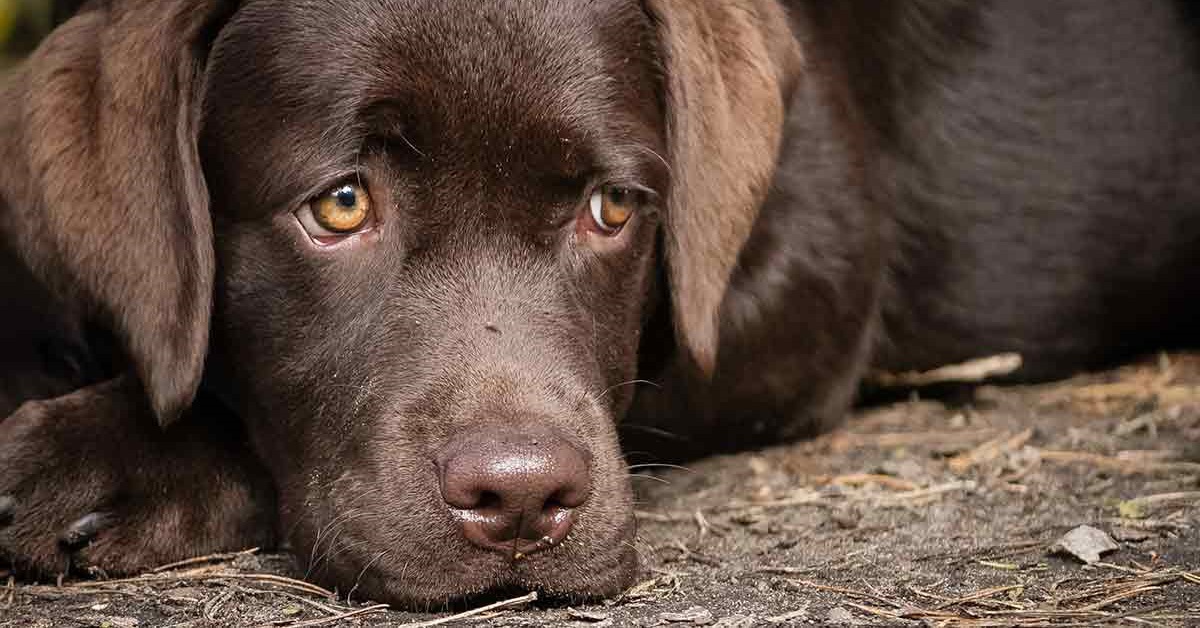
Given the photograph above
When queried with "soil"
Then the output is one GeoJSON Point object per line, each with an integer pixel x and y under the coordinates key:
{"type": "Point", "coordinates": [918, 512]}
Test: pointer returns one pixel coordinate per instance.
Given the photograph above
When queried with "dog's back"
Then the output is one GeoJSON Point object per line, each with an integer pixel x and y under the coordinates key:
{"type": "Point", "coordinates": [961, 179]}
{"type": "Point", "coordinates": [1038, 168]}
{"type": "Point", "coordinates": [1047, 190]}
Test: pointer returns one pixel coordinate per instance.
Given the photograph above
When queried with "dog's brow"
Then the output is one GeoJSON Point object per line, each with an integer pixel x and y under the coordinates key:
{"type": "Point", "coordinates": [386, 121]}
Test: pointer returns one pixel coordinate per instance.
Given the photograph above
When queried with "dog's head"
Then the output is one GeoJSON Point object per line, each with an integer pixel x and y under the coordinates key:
{"type": "Point", "coordinates": [424, 237]}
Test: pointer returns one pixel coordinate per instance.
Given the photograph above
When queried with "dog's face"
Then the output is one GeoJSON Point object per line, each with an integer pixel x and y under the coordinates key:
{"type": "Point", "coordinates": [412, 244]}
{"type": "Point", "coordinates": [435, 232]}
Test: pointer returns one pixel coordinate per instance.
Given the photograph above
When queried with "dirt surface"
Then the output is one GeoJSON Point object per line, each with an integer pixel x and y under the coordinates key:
{"type": "Point", "coordinates": [913, 513]}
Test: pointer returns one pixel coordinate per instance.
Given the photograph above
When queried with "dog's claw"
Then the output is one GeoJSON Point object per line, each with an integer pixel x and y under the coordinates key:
{"type": "Point", "coordinates": [8, 510]}
{"type": "Point", "coordinates": [84, 530]}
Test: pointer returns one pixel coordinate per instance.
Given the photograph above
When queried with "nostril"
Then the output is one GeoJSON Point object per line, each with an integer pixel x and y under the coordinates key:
{"type": "Point", "coordinates": [489, 502]}
{"type": "Point", "coordinates": [572, 493]}
{"type": "Point", "coordinates": [561, 500]}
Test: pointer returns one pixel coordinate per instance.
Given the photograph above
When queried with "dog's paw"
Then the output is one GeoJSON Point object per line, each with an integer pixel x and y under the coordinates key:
{"type": "Point", "coordinates": [90, 484]}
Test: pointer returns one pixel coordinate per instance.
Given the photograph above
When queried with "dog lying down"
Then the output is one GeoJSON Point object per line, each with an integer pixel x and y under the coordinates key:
{"type": "Point", "coordinates": [372, 279]}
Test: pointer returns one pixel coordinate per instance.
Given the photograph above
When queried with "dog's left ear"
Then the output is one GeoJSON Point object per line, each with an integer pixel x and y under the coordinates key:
{"type": "Point", "coordinates": [105, 195]}
{"type": "Point", "coordinates": [729, 66]}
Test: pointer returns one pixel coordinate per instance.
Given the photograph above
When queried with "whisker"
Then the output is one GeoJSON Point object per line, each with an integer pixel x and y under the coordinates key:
{"type": "Point", "coordinates": [347, 548]}
{"type": "Point", "coordinates": [657, 431]}
{"type": "Point", "coordinates": [331, 550]}
{"type": "Point", "coordinates": [643, 476]}
{"type": "Point", "coordinates": [313, 559]}
{"type": "Point", "coordinates": [358, 580]}
{"type": "Point", "coordinates": [647, 149]}
{"type": "Point", "coordinates": [636, 550]}
{"type": "Point", "coordinates": [631, 382]}
{"type": "Point", "coordinates": [652, 465]}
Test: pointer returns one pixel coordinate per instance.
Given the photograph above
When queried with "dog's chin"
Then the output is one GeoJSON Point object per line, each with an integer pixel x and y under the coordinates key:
{"type": "Point", "coordinates": [440, 570]}
{"type": "Point", "coordinates": [494, 580]}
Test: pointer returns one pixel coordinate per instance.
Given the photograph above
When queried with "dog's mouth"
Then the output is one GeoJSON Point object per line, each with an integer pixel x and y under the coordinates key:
{"type": "Point", "coordinates": [502, 592]}
{"type": "Point", "coordinates": [594, 562]}
{"type": "Point", "coordinates": [495, 513]}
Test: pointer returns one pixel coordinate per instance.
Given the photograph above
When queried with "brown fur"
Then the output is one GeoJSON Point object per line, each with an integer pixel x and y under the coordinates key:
{"type": "Point", "coordinates": [731, 65]}
{"type": "Point", "coordinates": [105, 197]}
{"type": "Point", "coordinates": [832, 187]}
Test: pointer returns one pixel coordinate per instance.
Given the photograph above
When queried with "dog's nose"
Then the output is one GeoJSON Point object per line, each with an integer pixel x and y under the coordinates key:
{"type": "Point", "coordinates": [514, 493]}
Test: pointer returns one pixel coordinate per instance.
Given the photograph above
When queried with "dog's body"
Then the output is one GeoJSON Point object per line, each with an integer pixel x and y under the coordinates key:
{"type": "Point", "coordinates": [802, 192]}
{"type": "Point", "coordinates": [958, 182]}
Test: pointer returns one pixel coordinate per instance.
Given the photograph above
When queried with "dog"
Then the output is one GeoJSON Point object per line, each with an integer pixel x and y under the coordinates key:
{"type": "Point", "coordinates": [377, 280]}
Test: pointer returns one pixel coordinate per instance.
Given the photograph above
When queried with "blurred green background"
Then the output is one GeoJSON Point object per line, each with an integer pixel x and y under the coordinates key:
{"type": "Point", "coordinates": [24, 22]}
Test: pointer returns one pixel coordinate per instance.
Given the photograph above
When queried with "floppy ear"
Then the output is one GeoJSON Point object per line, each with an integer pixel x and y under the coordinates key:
{"type": "Point", "coordinates": [105, 195]}
{"type": "Point", "coordinates": [728, 65]}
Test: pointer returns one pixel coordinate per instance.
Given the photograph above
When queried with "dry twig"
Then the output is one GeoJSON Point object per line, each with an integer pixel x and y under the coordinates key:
{"type": "Point", "coordinates": [1127, 467]}
{"type": "Point", "coordinates": [325, 621]}
{"type": "Point", "coordinates": [989, 451]}
{"type": "Point", "coordinates": [969, 372]}
{"type": "Point", "coordinates": [886, 481]}
{"type": "Point", "coordinates": [518, 601]}
{"type": "Point", "coordinates": [199, 560]}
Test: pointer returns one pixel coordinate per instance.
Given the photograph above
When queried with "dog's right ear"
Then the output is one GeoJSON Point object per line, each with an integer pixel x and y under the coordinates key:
{"type": "Point", "coordinates": [101, 190]}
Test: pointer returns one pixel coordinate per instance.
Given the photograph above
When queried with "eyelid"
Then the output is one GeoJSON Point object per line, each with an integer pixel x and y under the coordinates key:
{"type": "Point", "coordinates": [652, 196]}
{"type": "Point", "coordinates": [359, 175]}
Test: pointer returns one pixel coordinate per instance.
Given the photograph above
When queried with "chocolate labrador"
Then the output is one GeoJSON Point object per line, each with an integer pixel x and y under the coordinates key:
{"type": "Point", "coordinates": [374, 279]}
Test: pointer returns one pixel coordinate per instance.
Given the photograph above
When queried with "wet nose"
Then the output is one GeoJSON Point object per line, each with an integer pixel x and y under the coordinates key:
{"type": "Point", "coordinates": [514, 492]}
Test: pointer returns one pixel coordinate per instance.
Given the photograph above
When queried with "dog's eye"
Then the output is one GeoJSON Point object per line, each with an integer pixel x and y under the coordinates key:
{"type": "Point", "coordinates": [341, 210]}
{"type": "Point", "coordinates": [612, 207]}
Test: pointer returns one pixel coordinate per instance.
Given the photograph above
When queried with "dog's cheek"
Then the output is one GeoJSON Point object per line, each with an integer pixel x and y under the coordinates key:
{"type": "Point", "coordinates": [267, 339]}
{"type": "Point", "coordinates": [380, 528]}
{"type": "Point", "coordinates": [612, 310]}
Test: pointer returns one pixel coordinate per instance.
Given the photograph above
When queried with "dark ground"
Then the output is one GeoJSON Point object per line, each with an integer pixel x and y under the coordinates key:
{"type": "Point", "coordinates": [914, 513]}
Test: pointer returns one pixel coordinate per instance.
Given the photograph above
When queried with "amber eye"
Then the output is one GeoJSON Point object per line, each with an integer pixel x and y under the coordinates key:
{"type": "Point", "coordinates": [340, 210]}
{"type": "Point", "coordinates": [612, 207]}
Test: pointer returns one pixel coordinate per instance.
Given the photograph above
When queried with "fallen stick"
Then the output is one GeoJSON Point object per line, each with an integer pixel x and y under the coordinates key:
{"type": "Point", "coordinates": [1192, 496]}
{"type": "Point", "coordinates": [989, 451]}
{"type": "Point", "coordinates": [932, 491]}
{"type": "Point", "coordinates": [211, 558]}
{"type": "Point", "coordinates": [202, 575]}
{"type": "Point", "coordinates": [886, 481]}
{"type": "Point", "coordinates": [325, 621]}
{"type": "Point", "coordinates": [969, 372]}
{"type": "Point", "coordinates": [1126, 466]}
{"type": "Point", "coordinates": [517, 601]}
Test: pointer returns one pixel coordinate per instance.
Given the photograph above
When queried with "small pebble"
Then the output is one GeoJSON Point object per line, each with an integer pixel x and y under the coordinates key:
{"type": "Point", "coordinates": [696, 615]}
{"type": "Point", "coordinates": [588, 616]}
{"type": "Point", "coordinates": [1085, 543]}
{"type": "Point", "coordinates": [738, 621]}
{"type": "Point", "coordinates": [839, 615]}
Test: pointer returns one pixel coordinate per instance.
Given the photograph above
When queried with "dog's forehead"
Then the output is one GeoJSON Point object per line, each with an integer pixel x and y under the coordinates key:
{"type": "Point", "coordinates": [301, 74]}
{"type": "Point", "coordinates": [453, 41]}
